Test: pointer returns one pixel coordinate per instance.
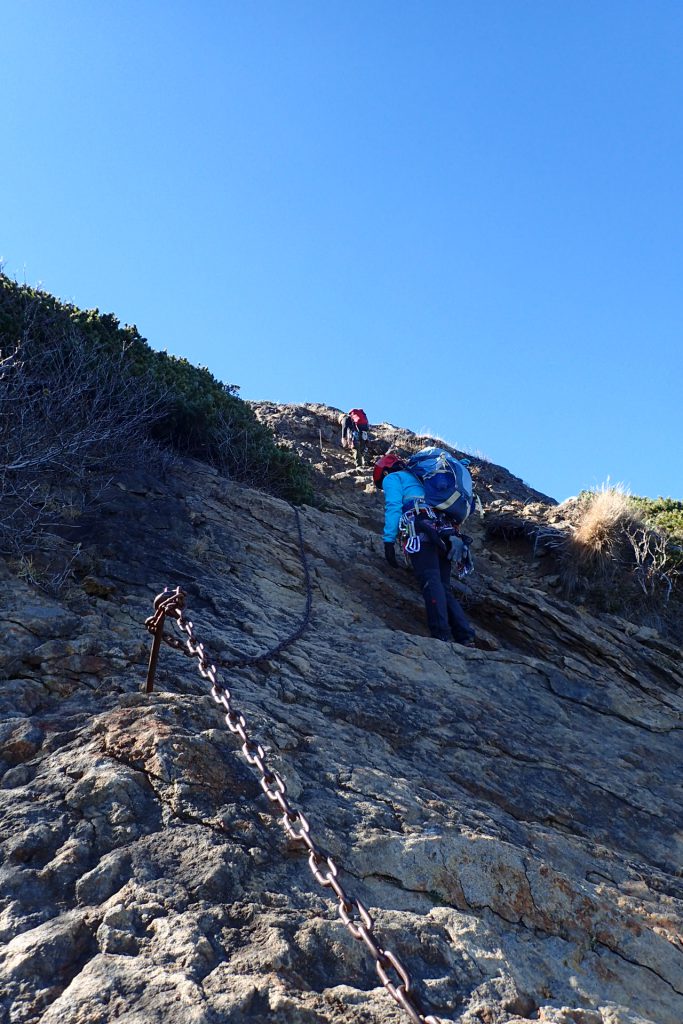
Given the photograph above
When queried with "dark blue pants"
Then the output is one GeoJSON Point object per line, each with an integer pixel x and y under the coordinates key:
{"type": "Point", "coordinates": [445, 617]}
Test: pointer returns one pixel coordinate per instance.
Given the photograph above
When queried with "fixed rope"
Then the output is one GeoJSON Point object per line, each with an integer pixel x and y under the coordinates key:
{"type": "Point", "coordinates": [167, 597]}
{"type": "Point", "coordinates": [355, 916]}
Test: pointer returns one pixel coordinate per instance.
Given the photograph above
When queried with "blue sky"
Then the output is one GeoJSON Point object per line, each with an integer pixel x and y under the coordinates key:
{"type": "Point", "coordinates": [464, 216]}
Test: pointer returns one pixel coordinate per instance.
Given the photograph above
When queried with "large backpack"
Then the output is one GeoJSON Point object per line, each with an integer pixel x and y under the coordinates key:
{"type": "Point", "coordinates": [359, 418]}
{"type": "Point", "coordinates": [447, 482]}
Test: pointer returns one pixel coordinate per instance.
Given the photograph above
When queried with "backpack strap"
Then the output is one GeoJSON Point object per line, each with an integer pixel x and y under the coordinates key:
{"type": "Point", "coordinates": [455, 496]}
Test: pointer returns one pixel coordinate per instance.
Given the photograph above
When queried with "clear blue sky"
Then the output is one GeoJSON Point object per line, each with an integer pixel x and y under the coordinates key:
{"type": "Point", "coordinates": [464, 216]}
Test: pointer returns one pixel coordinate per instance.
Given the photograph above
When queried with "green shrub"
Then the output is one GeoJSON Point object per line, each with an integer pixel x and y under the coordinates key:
{"type": "Point", "coordinates": [663, 513]}
{"type": "Point", "coordinates": [198, 415]}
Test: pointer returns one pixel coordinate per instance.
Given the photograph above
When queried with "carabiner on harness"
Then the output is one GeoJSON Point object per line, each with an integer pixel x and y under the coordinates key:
{"type": "Point", "coordinates": [407, 526]}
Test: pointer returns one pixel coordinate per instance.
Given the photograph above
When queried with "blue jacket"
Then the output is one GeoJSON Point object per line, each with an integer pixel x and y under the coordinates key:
{"type": "Point", "coordinates": [400, 490]}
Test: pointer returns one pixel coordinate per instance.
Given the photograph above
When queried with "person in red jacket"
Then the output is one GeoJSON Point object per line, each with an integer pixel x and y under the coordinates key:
{"type": "Point", "coordinates": [355, 434]}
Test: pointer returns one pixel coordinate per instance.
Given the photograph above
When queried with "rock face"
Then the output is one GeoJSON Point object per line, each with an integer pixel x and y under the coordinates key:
{"type": "Point", "coordinates": [511, 815]}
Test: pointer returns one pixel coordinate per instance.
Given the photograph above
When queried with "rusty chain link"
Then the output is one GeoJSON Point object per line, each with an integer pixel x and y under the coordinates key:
{"type": "Point", "coordinates": [354, 915]}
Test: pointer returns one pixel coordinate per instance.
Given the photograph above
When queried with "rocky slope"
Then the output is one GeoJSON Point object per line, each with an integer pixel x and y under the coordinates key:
{"type": "Point", "coordinates": [510, 815]}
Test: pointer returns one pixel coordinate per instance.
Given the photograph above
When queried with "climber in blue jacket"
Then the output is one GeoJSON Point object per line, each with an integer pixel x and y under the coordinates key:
{"type": "Point", "coordinates": [404, 493]}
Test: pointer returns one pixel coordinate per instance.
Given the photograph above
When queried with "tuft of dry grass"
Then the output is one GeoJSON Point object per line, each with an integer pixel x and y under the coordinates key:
{"type": "Point", "coordinates": [605, 519]}
{"type": "Point", "coordinates": [614, 552]}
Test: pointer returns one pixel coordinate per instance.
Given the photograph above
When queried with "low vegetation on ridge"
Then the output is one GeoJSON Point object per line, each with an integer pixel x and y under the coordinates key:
{"type": "Point", "coordinates": [82, 396]}
{"type": "Point", "coordinates": [662, 513]}
{"type": "Point", "coordinates": [606, 549]}
{"type": "Point", "coordinates": [616, 536]}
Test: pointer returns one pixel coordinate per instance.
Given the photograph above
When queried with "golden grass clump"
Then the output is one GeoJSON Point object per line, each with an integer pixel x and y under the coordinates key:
{"type": "Point", "coordinates": [605, 520]}
{"type": "Point", "coordinates": [612, 552]}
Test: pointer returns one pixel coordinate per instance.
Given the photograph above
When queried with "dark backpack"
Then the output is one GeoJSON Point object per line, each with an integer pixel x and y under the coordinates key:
{"type": "Point", "coordinates": [447, 482]}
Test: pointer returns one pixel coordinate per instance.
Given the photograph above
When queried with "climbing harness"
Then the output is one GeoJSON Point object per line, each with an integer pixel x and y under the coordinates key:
{"type": "Point", "coordinates": [355, 916]}
{"type": "Point", "coordinates": [415, 510]}
{"type": "Point", "coordinates": [444, 533]}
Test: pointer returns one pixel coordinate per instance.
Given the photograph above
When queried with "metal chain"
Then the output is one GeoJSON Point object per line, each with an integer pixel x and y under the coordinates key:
{"type": "Point", "coordinates": [391, 972]}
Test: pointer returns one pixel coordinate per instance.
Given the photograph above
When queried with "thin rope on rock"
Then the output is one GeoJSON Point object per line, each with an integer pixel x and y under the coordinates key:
{"type": "Point", "coordinates": [169, 598]}
{"type": "Point", "coordinates": [273, 652]}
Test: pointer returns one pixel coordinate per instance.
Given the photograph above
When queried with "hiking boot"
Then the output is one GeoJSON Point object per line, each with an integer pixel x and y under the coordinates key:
{"type": "Point", "coordinates": [468, 641]}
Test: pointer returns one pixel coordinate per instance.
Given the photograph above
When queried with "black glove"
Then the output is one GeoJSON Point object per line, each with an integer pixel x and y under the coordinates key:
{"type": "Point", "coordinates": [390, 554]}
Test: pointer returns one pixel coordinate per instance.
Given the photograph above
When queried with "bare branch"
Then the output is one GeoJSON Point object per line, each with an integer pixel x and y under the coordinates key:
{"type": "Point", "coordinates": [70, 416]}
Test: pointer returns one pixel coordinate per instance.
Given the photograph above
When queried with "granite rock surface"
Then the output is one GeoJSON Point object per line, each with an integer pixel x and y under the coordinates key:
{"type": "Point", "coordinates": [511, 815]}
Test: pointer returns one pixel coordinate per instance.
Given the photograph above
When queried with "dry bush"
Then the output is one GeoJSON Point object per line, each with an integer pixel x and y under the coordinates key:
{"type": "Point", "coordinates": [194, 413]}
{"type": "Point", "coordinates": [69, 418]}
{"type": "Point", "coordinates": [656, 565]}
{"type": "Point", "coordinates": [600, 534]}
{"type": "Point", "coordinates": [509, 526]}
{"type": "Point", "coordinates": [244, 449]}
{"type": "Point", "coordinates": [612, 554]}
